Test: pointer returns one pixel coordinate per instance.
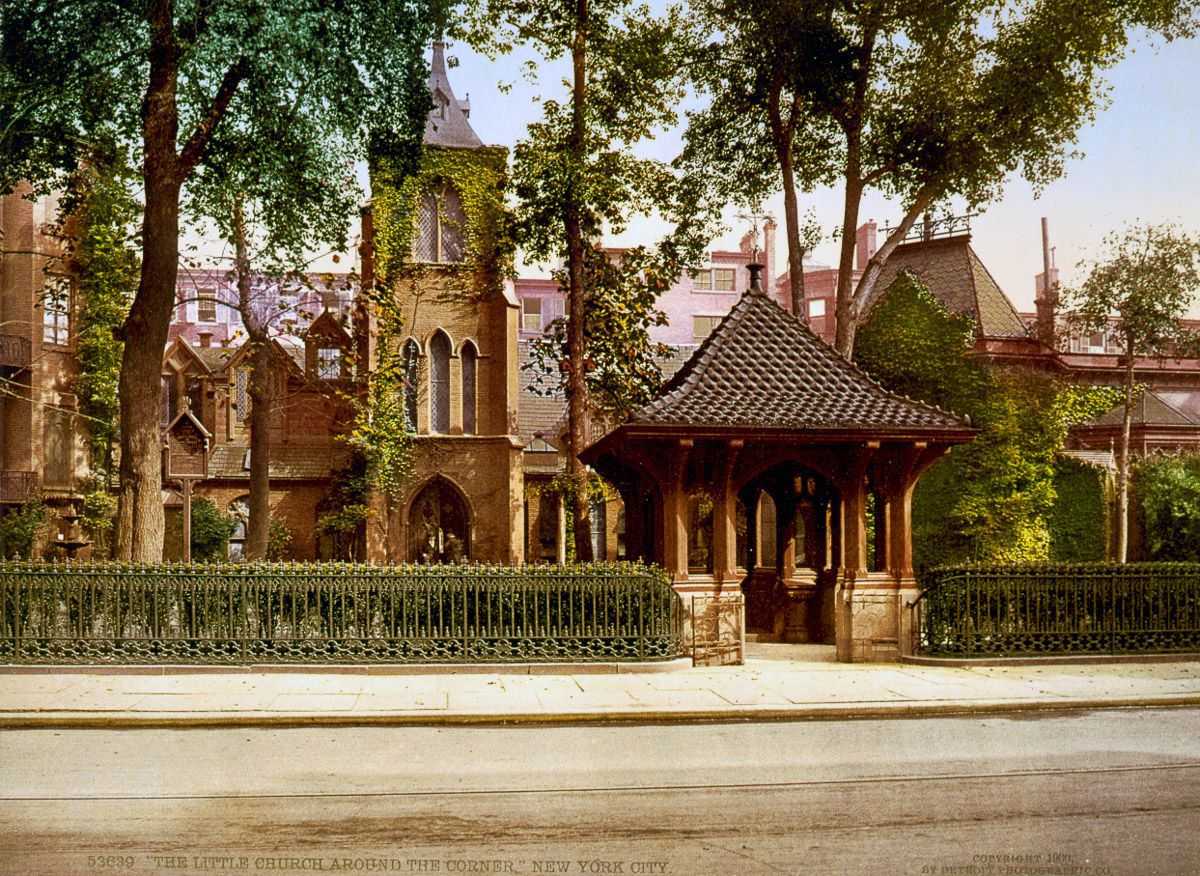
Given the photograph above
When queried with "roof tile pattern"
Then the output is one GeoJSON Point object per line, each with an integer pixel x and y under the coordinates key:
{"type": "Point", "coordinates": [288, 461]}
{"type": "Point", "coordinates": [955, 275]}
{"type": "Point", "coordinates": [763, 368]}
{"type": "Point", "coordinates": [1149, 410]}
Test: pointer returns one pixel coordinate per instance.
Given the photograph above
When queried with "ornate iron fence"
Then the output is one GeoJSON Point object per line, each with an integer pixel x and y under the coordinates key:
{"type": "Point", "coordinates": [334, 613]}
{"type": "Point", "coordinates": [978, 611]}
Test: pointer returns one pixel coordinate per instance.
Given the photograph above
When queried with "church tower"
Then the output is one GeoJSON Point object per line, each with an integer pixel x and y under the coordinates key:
{"type": "Point", "coordinates": [444, 317]}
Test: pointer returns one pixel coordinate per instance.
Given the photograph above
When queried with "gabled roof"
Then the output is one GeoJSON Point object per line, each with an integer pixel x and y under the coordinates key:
{"type": "Point", "coordinates": [1149, 410]}
{"type": "Point", "coordinates": [288, 461]}
{"type": "Point", "coordinates": [761, 368]}
{"type": "Point", "coordinates": [953, 272]}
{"type": "Point", "coordinates": [447, 124]}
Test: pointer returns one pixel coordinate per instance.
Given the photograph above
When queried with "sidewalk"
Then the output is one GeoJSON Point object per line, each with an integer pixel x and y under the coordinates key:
{"type": "Point", "coordinates": [778, 682]}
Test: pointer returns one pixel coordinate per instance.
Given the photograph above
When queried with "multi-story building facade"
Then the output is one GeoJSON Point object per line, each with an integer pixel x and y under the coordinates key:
{"type": "Point", "coordinates": [42, 453]}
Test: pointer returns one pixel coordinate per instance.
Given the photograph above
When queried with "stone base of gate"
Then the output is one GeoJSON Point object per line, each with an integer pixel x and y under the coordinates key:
{"type": "Point", "coordinates": [872, 618]}
{"type": "Point", "coordinates": [714, 621]}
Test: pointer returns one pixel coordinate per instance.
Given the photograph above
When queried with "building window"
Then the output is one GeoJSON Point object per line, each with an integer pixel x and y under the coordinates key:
{"type": "Point", "coordinates": [170, 398]}
{"type": "Point", "coordinates": [702, 326]}
{"type": "Point", "coordinates": [56, 310]}
{"type": "Point", "coordinates": [412, 371]}
{"type": "Point", "coordinates": [713, 280]}
{"type": "Point", "coordinates": [1096, 343]}
{"type": "Point", "coordinates": [598, 525]}
{"type": "Point", "coordinates": [816, 308]}
{"type": "Point", "coordinates": [206, 305]}
{"type": "Point", "coordinates": [439, 383]}
{"type": "Point", "coordinates": [440, 226]}
{"type": "Point", "coordinates": [469, 369]}
{"type": "Point", "coordinates": [57, 439]}
{"type": "Point", "coordinates": [242, 397]}
{"type": "Point", "coordinates": [329, 363]}
{"type": "Point", "coordinates": [239, 510]}
{"type": "Point", "coordinates": [531, 314]}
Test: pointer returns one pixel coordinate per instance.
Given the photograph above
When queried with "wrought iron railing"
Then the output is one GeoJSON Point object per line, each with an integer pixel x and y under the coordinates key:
{"type": "Point", "coordinates": [334, 613]}
{"type": "Point", "coordinates": [1094, 608]}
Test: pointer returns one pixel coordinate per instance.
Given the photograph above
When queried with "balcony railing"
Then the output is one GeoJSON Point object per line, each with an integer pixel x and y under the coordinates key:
{"type": "Point", "coordinates": [18, 486]}
{"type": "Point", "coordinates": [14, 352]}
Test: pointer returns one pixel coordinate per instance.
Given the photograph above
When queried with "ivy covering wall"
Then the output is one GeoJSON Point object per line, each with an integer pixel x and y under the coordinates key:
{"type": "Point", "coordinates": [400, 173]}
{"type": "Point", "coordinates": [996, 499]}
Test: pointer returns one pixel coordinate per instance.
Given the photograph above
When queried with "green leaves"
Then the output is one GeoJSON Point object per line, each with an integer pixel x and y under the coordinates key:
{"type": "Point", "coordinates": [1001, 491]}
{"type": "Point", "coordinates": [1148, 280]}
{"type": "Point", "coordinates": [622, 371]}
{"type": "Point", "coordinates": [107, 265]}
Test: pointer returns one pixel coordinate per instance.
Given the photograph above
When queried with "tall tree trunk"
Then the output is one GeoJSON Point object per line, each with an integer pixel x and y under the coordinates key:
{"type": "Point", "coordinates": [1123, 459]}
{"type": "Point", "coordinates": [844, 306]}
{"type": "Point", "coordinates": [782, 133]}
{"type": "Point", "coordinates": [864, 290]}
{"type": "Point", "coordinates": [140, 507]}
{"type": "Point", "coordinates": [576, 352]}
{"type": "Point", "coordinates": [140, 510]}
{"type": "Point", "coordinates": [258, 526]}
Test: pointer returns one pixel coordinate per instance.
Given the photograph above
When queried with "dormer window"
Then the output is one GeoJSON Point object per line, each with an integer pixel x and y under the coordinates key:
{"type": "Point", "coordinates": [440, 225]}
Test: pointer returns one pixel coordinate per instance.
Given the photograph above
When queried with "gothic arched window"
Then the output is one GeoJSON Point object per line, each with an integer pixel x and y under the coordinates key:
{"type": "Point", "coordinates": [439, 382]}
{"type": "Point", "coordinates": [239, 510]}
{"type": "Point", "coordinates": [441, 222]}
{"type": "Point", "coordinates": [470, 359]}
{"type": "Point", "coordinates": [412, 360]}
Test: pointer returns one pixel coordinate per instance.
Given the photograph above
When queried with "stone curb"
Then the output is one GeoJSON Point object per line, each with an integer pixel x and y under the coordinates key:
{"type": "Point", "coordinates": [1060, 660]}
{"type": "Point", "coordinates": [650, 666]}
{"type": "Point", "coordinates": [834, 712]}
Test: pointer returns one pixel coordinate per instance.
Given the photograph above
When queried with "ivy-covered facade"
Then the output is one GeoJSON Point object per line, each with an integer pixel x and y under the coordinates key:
{"type": "Point", "coordinates": [437, 340]}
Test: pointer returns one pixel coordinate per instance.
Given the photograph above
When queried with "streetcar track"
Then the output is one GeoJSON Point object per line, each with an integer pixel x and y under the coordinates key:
{"type": "Point", "coordinates": [624, 789]}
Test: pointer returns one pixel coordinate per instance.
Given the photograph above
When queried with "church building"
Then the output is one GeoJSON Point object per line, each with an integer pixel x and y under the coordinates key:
{"type": "Point", "coordinates": [437, 305]}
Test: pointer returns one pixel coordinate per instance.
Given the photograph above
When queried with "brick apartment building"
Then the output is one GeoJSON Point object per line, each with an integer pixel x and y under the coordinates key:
{"type": "Point", "coordinates": [42, 451]}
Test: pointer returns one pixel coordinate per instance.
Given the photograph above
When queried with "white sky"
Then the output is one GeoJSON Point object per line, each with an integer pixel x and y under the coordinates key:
{"type": "Point", "coordinates": [1138, 164]}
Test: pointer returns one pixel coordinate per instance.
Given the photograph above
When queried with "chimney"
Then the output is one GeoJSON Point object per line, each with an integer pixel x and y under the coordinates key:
{"type": "Point", "coordinates": [205, 340]}
{"type": "Point", "coordinates": [1047, 292]}
{"type": "Point", "coordinates": [755, 279]}
{"type": "Point", "coordinates": [768, 254]}
{"type": "Point", "coordinates": [865, 239]}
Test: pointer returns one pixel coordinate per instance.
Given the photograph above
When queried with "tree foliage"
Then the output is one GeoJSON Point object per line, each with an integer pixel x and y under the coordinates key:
{"type": "Point", "coordinates": [106, 264]}
{"type": "Point", "coordinates": [1169, 490]}
{"type": "Point", "coordinates": [622, 368]}
{"type": "Point", "coordinates": [253, 86]}
{"type": "Point", "coordinates": [211, 529]}
{"type": "Point", "coordinates": [1140, 294]}
{"type": "Point", "coordinates": [575, 173]}
{"type": "Point", "coordinates": [919, 101]}
{"type": "Point", "coordinates": [1002, 482]}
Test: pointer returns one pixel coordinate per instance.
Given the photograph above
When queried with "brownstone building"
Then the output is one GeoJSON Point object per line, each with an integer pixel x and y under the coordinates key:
{"type": "Point", "coordinates": [42, 453]}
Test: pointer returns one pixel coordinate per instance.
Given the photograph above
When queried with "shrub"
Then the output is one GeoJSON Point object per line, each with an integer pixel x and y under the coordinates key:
{"type": "Point", "coordinates": [210, 531]}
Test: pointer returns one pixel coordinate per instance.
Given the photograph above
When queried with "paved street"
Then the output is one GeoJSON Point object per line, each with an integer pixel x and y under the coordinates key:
{"type": "Point", "coordinates": [1115, 791]}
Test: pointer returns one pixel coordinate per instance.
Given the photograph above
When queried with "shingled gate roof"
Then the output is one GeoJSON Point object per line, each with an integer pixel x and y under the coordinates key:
{"type": "Point", "coordinates": [761, 368]}
{"type": "Point", "coordinates": [955, 275]}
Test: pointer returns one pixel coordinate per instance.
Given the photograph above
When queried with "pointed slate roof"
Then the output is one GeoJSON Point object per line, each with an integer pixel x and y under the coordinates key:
{"type": "Point", "coordinates": [761, 368]}
{"type": "Point", "coordinates": [957, 277]}
{"type": "Point", "coordinates": [447, 124]}
{"type": "Point", "coordinates": [1149, 410]}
